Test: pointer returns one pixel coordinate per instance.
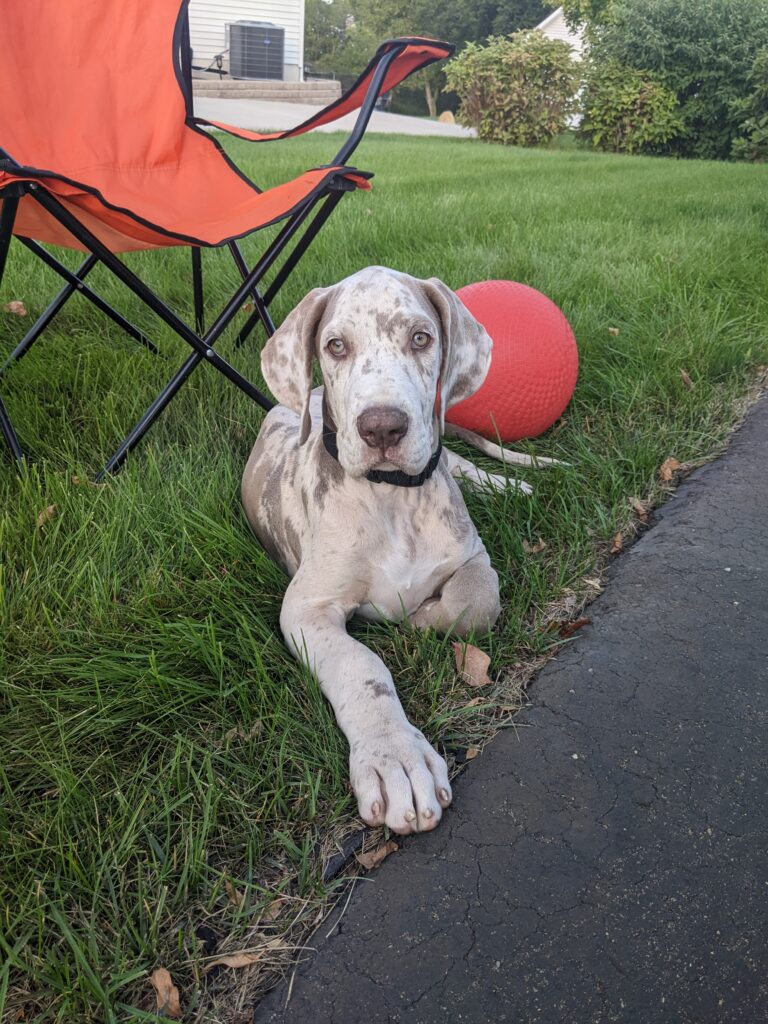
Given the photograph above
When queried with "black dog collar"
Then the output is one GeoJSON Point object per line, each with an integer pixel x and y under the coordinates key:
{"type": "Point", "coordinates": [383, 476]}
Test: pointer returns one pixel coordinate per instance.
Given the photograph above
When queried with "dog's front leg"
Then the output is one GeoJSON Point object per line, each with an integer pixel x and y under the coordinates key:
{"type": "Point", "coordinates": [398, 778]}
{"type": "Point", "coordinates": [468, 600]}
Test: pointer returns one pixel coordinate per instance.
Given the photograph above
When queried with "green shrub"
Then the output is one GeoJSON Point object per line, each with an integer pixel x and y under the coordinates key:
{"type": "Point", "coordinates": [517, 89]}
{"type": "Point", "coordinates": [752, 144]}
{"type": "Point", "coordinates": [703, 50]}
{"type": "Point", "coordinates": [627, 111]}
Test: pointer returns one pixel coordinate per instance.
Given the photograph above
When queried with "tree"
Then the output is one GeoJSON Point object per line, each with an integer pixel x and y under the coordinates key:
{"type": "Point", "coordinates": [334, 40]}
{"type": "Point", "coordinates": [514, 15]}
{"type": "Point", "coordinates": [587, 15]}
{"type": "Point", "coordinates": [702, 50]}
{"type": "Point", "coordinates": [452, 20]}
{"type": "Point", "coordinates": [344, 39]}
{"type": "Point", "coordinates": [752, 111]}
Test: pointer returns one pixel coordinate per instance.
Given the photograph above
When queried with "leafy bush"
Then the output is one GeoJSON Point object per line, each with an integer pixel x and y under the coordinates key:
{"type": "Point", "coordinates": [517, 89]}
{"type": "Point", "coordinates": [627, 111]}
{"type": "Point", "coordinates": [703, 50]}
{"type": "Point", "coordinates": [753, 114]}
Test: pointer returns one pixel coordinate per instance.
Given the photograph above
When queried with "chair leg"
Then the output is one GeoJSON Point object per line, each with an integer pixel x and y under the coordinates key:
{"type": "Point", "coordinates": [298, 251]}
{"type": "Point", "coordinates": [260, 313]}
{"type": "Point", "coordinates": [10, 434]}
{"type": "Point", "coordinates": [303, 244]}
{"type": "Point", "coordinates": [7, 218]}
{"type": "Point", "coordinates": [197, 289]}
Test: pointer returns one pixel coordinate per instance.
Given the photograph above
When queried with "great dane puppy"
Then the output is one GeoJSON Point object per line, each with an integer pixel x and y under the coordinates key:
{"type": "Point", "coordinates": [349, 489]}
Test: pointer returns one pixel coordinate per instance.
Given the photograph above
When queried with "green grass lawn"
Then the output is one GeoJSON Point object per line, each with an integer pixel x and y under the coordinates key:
{"type": "Point", "coordinates": [164, 763]}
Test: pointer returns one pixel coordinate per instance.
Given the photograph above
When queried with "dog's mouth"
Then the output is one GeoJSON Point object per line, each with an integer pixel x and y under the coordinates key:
{"type": "Point", "coordinates": [394, 459]}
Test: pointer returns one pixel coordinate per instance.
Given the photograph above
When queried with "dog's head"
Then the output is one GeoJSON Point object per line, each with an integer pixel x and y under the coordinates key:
{"type": "Point", "coordinates": [384, 340]}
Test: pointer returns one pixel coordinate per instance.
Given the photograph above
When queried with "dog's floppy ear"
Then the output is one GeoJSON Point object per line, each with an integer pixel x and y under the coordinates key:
{"type": "Point", "coordinates": [286, 359]}
{"type": "Point", "coordinates": [466, 347]}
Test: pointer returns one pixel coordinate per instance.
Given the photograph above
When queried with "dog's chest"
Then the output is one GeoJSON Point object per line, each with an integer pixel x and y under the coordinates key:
{"type": "Point", "coordinates": [413, 554]}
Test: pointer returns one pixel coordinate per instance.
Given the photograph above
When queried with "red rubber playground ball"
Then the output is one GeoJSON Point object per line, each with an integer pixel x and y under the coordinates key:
{"type": "Point", "coordinates": [534, 363]}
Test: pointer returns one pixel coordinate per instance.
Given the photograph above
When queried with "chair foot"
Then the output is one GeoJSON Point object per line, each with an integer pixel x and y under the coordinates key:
{"type": "Point", "coordinates": [10, 436]}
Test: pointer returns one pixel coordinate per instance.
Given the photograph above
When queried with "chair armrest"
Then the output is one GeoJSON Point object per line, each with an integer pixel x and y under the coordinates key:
{"type": "Point", "coordinates": [392, 63]}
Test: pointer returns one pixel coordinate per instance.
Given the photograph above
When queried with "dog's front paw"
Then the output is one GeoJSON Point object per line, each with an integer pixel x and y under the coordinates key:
{"type": "Point", "coordinates": [398, 779]}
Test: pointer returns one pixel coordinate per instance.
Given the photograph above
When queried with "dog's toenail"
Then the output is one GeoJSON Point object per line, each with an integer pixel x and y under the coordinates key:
{"type": "Point", "coordinates": [444, 794]}
{"type": "Point", "coordinates": [410, 816]}
{"type": "Point", "coordinates": [376, 809]}
{"type": "Point", "coordinates": [428, 813]}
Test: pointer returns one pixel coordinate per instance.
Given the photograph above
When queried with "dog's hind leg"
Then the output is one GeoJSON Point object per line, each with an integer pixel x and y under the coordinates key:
{"type": "Point", "coordinates": [468, 600]}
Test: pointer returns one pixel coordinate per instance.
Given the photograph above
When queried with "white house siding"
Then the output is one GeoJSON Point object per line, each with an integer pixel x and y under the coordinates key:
{"type": "Point", "coordinates": [208, 18]}
{"type": "Point", "coordinates": [555, 27]}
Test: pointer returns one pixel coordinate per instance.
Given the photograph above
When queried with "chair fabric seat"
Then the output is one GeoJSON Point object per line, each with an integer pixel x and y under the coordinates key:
{"type": "Point", "coordinates": [205, 204]}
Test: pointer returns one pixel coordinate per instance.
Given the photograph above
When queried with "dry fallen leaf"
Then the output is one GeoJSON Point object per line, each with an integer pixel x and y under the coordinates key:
{"type": "Point", "coordinates": [471, 753]}
{"type": "Point", "coordinates": [372, 860]}
{"type": "Point", "coordinates": [534, 549]}
{"type": "Point", "coordinates": [274, 910]}
{"type": "Point", "coordinates": [167, 994]}
{"type": "Point", "coordinates": [618, 544]}
{"type": "Point", "coordinates": [472, 663]}
{"type": "Point", "coordinates": [569, 628]}
{"type": "Point", "coordinates": [667, 469]}
{"type": "Point", "coordinates": [248, 307]}
{"type": "Point", "coordinates": [474, 702]}
{"type": "Point", "coordinates": [640, 509]}
{"type": "Point", "coordinates": [238, 733]}
{"type": "Point", "coordinates": [687, 382]}
{"type": "Point", "coordinates": [244, 958]}
{"type": "Point", "coordinates": [46, 515]}
{"type": "Point", "coordinates": [613, 330]}
{"type": "Point", "coordinates": [16, 307]}
{"type": "Point", "coordinates": [234, 895]}
{"type": "Point", "coordinates": [79, 481]}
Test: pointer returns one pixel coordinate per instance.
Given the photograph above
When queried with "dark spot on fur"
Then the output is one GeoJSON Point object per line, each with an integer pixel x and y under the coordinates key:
{"type": "Point", "coordinates": [321, 489]}
{"type": "Point", "coordinates": [379, 689]}
{"type": "Point", "coordinates": [392, 324]}
{"type": "Point", "coordinates": [292, 538]}
{"type": "Point", "coordinates": [329, 470]}
{"type": "Point", "coordinates": [466, 383]}
{"type": "Point", "coordinates": [328, 417]}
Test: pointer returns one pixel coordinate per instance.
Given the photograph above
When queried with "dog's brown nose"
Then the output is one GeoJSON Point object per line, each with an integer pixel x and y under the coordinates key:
{"type": "Point", "coordinates": [382, 426]}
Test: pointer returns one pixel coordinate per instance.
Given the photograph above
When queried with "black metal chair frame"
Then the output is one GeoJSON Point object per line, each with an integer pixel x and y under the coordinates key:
{"type": "Point", "coordinates": [201, 341]}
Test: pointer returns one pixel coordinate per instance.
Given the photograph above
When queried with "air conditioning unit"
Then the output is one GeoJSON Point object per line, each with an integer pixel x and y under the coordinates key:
{"type": "Point", "coordinates": [256, 50]}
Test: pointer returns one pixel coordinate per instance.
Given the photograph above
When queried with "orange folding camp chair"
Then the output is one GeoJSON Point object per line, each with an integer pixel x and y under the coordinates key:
{"type": "Point", "coordinates": [100, 151]}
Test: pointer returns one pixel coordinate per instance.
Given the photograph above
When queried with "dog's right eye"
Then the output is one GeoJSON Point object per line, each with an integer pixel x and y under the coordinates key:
{"type": "Point", "coordinates": [336, 347]}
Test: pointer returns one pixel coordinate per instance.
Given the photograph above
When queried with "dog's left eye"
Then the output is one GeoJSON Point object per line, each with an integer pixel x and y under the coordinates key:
{"type": "Point", "coordinates": [336, 347]}
{"type": "Point", "coordinates": [420, 339]}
